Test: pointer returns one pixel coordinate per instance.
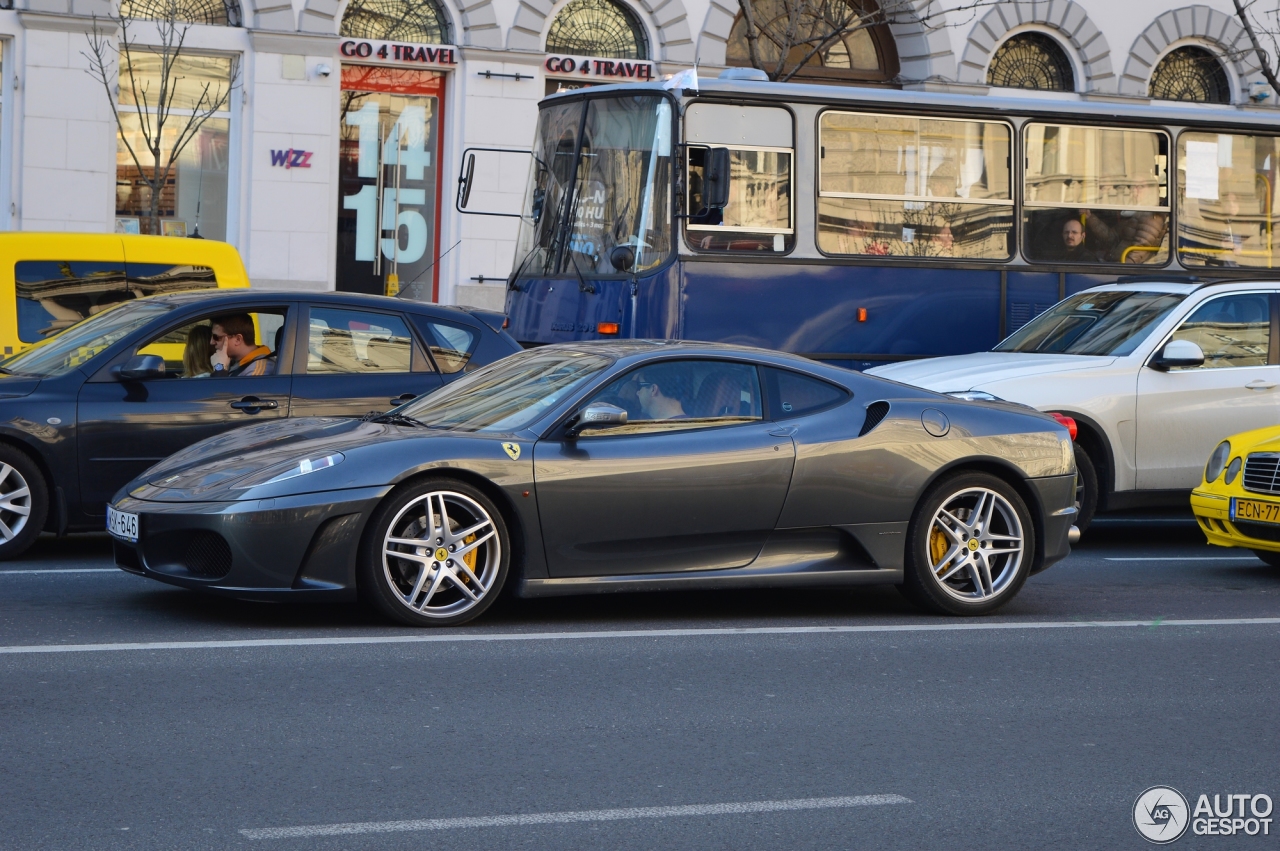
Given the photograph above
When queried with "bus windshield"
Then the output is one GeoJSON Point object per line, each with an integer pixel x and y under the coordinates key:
{"type": "Point", "coordinates": [1094, 323]}
{"type": "Point", "coordinates": [600, 178]}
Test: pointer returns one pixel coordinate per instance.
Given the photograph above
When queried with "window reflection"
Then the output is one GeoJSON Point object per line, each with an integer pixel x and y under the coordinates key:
{"type": "Point", "coordinates": [1225, 199]}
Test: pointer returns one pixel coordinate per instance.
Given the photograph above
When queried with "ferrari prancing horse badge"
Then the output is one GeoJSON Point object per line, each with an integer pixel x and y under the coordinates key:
{"type": "Point", "coordinates": [513, 449]}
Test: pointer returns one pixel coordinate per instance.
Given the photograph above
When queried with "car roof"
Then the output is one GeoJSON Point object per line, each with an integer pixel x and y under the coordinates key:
{"type": "Point", "coordinates": [379, 302]}
{"type": "Point", "coordinates": [630, 350]}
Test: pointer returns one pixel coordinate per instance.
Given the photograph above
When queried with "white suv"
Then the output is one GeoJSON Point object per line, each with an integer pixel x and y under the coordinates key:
{"type": "Point", "coordinates": [1155, 375]}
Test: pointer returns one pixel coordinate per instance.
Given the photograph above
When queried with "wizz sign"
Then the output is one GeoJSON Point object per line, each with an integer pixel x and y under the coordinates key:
{"type": "Point", "coordinates": [292, 158]}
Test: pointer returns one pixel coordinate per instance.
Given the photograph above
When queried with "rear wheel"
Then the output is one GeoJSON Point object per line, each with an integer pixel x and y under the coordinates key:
{"type": "Point", "coordinates": [436, 554]}
{"type": "Point", "coordinates": [24, 502]}
{"type": "Point", "coordinates": [1086, 488]}
{"type": "Point", "coordinates": [970, 546]}
{"type": "Point", "coordinates": [1272, 559]}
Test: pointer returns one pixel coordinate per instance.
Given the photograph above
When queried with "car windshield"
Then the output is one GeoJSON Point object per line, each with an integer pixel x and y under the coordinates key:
{"type": "Point", "coordinates": [81, 341]}
{"type": "Point", "coordinates": [1094, 323]}
{"type": "Point", "coordinates": [508, 395]}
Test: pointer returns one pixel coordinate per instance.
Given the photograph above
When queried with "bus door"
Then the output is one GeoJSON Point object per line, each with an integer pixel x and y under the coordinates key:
{"type": "Point", "coordinates": [389, 202]}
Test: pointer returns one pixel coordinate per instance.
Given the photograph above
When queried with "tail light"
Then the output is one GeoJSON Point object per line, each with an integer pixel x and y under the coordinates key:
{"type": "Point", "coordinates": [607, 327]}
{"type": "Point", "coordinates": [1067, 421]}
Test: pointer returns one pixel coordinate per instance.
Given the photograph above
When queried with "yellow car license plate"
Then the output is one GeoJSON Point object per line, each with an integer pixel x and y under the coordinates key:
{"type": "Point", "coordinates": [1255, 510]}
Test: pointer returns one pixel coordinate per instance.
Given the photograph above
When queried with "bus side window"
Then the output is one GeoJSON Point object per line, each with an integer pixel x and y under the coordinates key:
{"type": "Point", "coordinates": [759, 215]}
{"type": "Point", "coordinates": [1226, 201]}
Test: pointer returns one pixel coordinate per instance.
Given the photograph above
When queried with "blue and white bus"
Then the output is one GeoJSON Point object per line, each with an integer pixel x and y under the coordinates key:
{"type": "Point", "coordinates": [862, 225]}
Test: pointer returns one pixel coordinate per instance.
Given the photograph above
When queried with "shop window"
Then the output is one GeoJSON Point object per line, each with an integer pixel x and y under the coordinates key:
{"type": "Point", "coordinates": [1226, 199]}
{"type": "Point", "coordinates": [1031, 61]}
{"type": "Point", "coordinates": [900, 186]}
{"type": "Point", "coordinates": [1095, 195]}
{"type": "Point", "coordinates": [857, 53]}
{"type": "Point", "coordinates": [420, 21]}
{"type": "Point", "coordinates": [218, 13]}
{"type": "Point", "coordinates": [1192, 74]}
{"type": "Point", "coordinates": [193, 197]}
{"type": "Point", "coordinates": [597, 28]}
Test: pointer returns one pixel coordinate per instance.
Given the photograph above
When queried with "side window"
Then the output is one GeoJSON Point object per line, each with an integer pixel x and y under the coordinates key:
{"type": "Point", "coordinates": [343, 342]}
{"type": "Point", "coordinates": [1095, 195]}
{"type": "Point", "coordinates": [451, 345]}
{"type": "Point", "coordinates": [1232, 331]}
{"type": "Point", "coordinates": [1226, 212]}
{"type": "Point", "coordinates": [793, 395]}
{"type": "Point", "coordinates": [758, 215]}
{"type": "Point", "coordinates": [249, 343]}
{"type": "Point", "coordinates": [900, 186]}
{"type": "Point", "coordinates": [677, 395]}
{"type": "Point", "coordinates": [54, 294]}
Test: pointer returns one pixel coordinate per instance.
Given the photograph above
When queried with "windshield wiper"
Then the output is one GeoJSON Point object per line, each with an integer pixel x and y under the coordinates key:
{"type": "Point", "coordinates": [396, 419]}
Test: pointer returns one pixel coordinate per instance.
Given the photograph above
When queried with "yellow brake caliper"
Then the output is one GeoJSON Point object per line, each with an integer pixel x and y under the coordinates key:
{"type": "Point", "coordinates": [937, 544]}
{"type": "Point", "coordinates": [470, 558]}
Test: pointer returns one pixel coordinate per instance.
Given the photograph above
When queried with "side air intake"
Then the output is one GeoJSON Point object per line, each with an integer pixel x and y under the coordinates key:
{"type": "Point", "coordinates": [876, 412]}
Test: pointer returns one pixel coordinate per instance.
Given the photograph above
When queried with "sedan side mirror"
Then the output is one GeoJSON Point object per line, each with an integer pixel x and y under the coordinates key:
{"type": "Point", "coordinates": [142, 368]}
{"type": "Point", "coordinates": [1178, 353]}
{"type": "Point", "coordinates": [596, 416]}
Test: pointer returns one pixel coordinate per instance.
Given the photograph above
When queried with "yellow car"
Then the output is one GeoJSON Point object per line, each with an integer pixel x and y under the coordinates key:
{"type": "Point", "coordinates": [1238, 502]}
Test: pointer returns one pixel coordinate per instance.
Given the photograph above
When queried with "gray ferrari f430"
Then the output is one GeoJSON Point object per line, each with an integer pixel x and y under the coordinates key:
{"type": "Point", "coordinates": [618, 466]}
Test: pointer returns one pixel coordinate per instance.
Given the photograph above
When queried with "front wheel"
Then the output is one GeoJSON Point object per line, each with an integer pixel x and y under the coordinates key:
{"type": "Point", "coordinates": [436, 554]}
{"type": "Point", "coordinates": [24, 502]}
{"type": "Point", "coordinates": [970, 546]}
{"type": "Point", "coordinates": [1272, 559]}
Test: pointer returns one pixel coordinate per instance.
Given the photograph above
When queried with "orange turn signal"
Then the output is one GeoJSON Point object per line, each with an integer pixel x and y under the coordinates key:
{"type": "Point", "coordinates": [607, 327]}
{"type": "Point", "coordinates": [862, 314]}
{"type": "Point", "coordinates": [1066, 421]}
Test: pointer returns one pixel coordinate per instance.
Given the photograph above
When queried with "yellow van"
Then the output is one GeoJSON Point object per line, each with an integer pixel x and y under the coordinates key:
{"type": "Point", "coordinates": [50, 281]}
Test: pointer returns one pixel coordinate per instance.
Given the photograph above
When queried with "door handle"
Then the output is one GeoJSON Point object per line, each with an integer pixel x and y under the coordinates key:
{"type": "Point", "coordinates": [1260, 384]}
{"type": "Point", "coordinates": [397, 401]}
{"type": "Point", "coordinates": [782, 431]}
{"type": "Point", "coordinates": [252, 404]}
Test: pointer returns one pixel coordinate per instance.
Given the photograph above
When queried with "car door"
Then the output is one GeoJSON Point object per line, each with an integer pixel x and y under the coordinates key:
{"type": "Point", "coordinates": [696, 486]}
{"type": "Point", "coordinates": [1184, 412]}
{"type": "Point", "coordinates": [127, 426]}
{"type": "Point", "coordinates": [355, 361]}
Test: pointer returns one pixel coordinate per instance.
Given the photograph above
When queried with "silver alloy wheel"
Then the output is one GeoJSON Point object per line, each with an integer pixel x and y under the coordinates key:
{"type": "Point", "coordinates": [15, 503]}
{"type": "Point", "coordinates": [975, 544]}
{"type": "Point", "coordinates": [441, 554]}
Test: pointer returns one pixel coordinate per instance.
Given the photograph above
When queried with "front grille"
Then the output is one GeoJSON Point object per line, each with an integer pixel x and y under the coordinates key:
{"type": "Point", "coordinates": [876, 412]}
{"type": "Point", "coordinates": [1259, 531]}
{"type": "Point", "coordinates": [1262, 472]}
{"type": "Point", "coordinates": [207, 555]}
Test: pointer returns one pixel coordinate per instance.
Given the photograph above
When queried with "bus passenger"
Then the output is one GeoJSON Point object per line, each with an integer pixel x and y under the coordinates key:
{"type": "Point", "coordinates": [1073, 248]}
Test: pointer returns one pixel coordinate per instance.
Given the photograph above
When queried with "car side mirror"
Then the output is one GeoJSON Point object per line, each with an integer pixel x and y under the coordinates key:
{"type": "Point", "coordinates": [597, 415]}
{"type": "Point", "coordinates": [715, 181]}
{"type": "Point", "coordinates": [1178, 353]}
{"type": "Point", "coordinates": [142, 368]}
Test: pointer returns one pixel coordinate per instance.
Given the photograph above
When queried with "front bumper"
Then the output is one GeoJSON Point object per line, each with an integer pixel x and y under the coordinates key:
{"type": "Point", "coordinates": [297, 547]}
{"type": "Point", "coordinates": [1213, 514]}
{"type": "Point", "coordinates": [1057, 496]}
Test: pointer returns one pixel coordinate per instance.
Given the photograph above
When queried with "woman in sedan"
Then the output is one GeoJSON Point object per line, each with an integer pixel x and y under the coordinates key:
{"type": "Point", "coordinates": [197, 357]}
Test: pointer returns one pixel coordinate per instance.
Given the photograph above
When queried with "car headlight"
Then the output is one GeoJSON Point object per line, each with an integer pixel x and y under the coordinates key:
{"type": "Point", "coordinates": [1233, 470]}
{"type": "Point", "coordinates": [972, 396]}
{"type": "Point", "coordinates": [274, 474]}
{"type": "Point", "coordinates": [1217, 461]}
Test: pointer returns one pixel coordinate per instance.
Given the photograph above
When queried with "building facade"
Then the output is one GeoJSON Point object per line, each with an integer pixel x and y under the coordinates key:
{"type": "Point", "coordinates": [324, 139]}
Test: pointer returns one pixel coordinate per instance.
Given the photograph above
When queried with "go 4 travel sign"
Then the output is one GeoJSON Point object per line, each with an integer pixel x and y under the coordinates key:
{"type": "Point", "coordinates": [399, 54]}
{"type": "Point", "coordinates": [599, 70]}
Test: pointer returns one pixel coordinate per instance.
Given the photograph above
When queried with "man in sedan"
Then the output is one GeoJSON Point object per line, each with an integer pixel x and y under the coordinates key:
{"type": "Point", "coordinates": [235, 349]}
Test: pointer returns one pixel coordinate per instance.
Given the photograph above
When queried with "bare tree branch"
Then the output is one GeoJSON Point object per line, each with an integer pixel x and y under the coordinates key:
{"type": "Point", "coordinates": [1260, 54]}
{"type": "Point", "coordinates": [152, 120]}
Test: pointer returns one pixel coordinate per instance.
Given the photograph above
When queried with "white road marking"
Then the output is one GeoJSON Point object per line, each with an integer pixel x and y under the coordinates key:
{"type": "Point", "coordinates": [1185, 558]}
{"type": "Point", "coordinates": [458, 638]}
{"type": "Point", "coordinates": [65, 570]}
{"type": "Point", "coordinates": [574, 816]}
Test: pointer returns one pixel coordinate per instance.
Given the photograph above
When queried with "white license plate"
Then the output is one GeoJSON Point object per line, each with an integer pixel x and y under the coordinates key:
{"type": "Point", "coordinates": [122, 525]}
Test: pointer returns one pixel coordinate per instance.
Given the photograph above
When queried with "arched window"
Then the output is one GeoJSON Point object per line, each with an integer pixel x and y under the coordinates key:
{"type": "Point", "coordinates": [597, 28]}
{"type": "Point", "coordinates": [218, 13]}
{"type": "Point", "coordinates": [1031, 61]}
{"type": "Point", "coordinates": [835, 40]}
{"type": "Point", "coordinates": [419, 21]}
{"type": "Point", "coordinates": [1190, 73]}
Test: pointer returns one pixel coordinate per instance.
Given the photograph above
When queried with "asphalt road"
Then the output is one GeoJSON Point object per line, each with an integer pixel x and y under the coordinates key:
{"type": "Point", "coordinates": [699, 721]}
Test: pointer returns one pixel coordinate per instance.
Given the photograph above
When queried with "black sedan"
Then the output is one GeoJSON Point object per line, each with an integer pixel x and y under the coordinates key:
{"type": "Point", "coordinates": [86, 411]}
{"type": "Point", "coordinates": [616, 466]}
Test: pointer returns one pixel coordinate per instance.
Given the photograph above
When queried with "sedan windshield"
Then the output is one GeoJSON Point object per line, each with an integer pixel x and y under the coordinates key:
{"type": "Point", "coordinates": [81, 341]}
{"type": "Point", "coordinates": [1094, 323]}
{"type": "Point", "coordinates": [508, 395]}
